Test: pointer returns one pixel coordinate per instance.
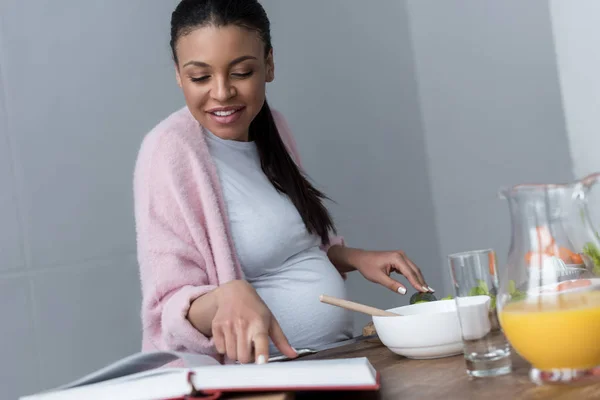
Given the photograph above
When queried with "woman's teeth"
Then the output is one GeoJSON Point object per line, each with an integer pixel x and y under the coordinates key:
{"type": "Point", "coordinates": [224, 113]}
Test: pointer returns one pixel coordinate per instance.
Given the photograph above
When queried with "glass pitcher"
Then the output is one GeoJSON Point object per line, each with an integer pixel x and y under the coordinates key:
{"type": "Point", "coordinates": [549, 297]}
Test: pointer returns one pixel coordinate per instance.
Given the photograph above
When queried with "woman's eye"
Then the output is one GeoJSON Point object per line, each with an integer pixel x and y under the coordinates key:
{"type": "Point", "coordinates": [242, 75]}
{"type": "Point", "coordinates": [199, 79]}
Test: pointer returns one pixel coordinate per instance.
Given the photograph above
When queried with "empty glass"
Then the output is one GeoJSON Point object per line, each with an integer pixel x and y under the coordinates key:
{"type": "Point", "coordinates": [486, 350]}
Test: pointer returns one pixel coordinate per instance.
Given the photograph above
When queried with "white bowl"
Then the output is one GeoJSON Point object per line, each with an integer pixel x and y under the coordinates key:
{"type": "Point", "coordinates": [422, 331]}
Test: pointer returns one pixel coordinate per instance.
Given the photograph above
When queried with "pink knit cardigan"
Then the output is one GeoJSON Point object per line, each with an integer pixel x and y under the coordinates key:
{"type": "Point", "coordinates": [183, 240]}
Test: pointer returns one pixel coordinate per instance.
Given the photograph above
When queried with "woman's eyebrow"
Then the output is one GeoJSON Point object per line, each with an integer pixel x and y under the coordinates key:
{"type": "Point", "coordinates": [232, 63]}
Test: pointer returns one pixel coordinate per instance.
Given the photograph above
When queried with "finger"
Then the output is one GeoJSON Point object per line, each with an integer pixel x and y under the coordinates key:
{"type": "Point", "coordinates": [414, 268]}
{"type": "Point", "coordinates": [261, 348]}
{"type": "Point", "coordinates": [392, 284]}
{"type": "Point", "coordinates": [230, 342]}
{"type": "Point", "coordinates": [244, 346]}
{"type": "Point", "coordinates": [219, 340]}
{"type": "Point", "coordinates": [408, 272]}
{"type": "Point", "coordinates": [418, 272]}
{"type": "Point", "coordinates": [279, 339]}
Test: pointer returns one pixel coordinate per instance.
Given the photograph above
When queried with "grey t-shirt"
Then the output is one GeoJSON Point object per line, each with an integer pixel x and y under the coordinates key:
{"type": "Point", "coordinates": [279, 258]}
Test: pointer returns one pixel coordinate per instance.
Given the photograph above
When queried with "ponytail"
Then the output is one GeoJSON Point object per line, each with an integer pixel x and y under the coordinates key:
{"type": "Point", "coordinates": [284, 174]}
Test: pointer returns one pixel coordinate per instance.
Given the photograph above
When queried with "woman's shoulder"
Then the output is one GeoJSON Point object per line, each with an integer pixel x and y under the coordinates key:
{"type": "Point", "coordinates": [177, 127]}
{"type": "Point", "coordinates": [177, 133]}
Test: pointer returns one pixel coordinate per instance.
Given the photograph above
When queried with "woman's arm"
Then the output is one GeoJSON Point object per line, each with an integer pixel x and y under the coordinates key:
{"type": "Point", "coordinates": [377, 267]}
{"type": "Point", "coordinates": [344, 259]}
{"type": "Point", "coordinates": [173, 271]}
{"type": "Point", "coordinates": [202, 312]}
{"type": "Point", "coordinates": [239, 322]}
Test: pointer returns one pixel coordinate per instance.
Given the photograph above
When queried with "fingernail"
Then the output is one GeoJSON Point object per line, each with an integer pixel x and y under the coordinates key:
{"type": "Point", "coordinates": [425, 288]}
{"type": "Point", "coordinates": [261, 359]}
{"type": "Point", "coordinates": [295, 351]}
{"type": "Point", "coordinates": [431, 289]}
{"type": "Point", "coordinates": [402, 290]}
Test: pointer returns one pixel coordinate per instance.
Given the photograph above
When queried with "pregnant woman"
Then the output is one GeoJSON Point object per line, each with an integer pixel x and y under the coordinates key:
{"type": "Point", "coordinates": [234, 244]}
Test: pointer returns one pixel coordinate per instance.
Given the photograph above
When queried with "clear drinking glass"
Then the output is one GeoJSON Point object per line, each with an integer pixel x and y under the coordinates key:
{"type": "Point", "coordinates": [486, 350]}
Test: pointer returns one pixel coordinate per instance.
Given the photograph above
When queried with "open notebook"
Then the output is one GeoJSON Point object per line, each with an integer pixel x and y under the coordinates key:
{"type": "Point", "coordinates": [141, 377]}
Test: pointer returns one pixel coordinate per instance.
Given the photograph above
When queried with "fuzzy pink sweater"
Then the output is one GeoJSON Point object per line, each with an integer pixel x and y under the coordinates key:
{"type": "Point", "coordinates": [183, 241]}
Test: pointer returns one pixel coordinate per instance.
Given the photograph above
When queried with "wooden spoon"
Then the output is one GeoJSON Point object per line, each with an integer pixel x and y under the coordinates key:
{"type": "Point", "coordinates": [352, 306]}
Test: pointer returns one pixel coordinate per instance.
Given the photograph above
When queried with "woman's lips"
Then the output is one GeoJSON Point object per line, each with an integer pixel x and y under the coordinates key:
{"type": "Point", "coordinates": [225, 116]}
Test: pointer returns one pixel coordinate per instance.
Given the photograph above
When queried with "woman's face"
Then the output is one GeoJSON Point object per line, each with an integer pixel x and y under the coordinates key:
{"type": "Point", "coordinates": [223, 73]}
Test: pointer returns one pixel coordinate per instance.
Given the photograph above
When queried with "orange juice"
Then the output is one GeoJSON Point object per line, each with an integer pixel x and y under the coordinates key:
{"type": "Point", "coordinates": [555, 331]}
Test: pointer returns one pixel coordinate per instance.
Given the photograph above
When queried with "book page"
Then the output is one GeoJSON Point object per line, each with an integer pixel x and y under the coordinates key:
{"type": "Point", "coordinates": [172, 383]}
{"type": "Point", "coordinates": [347, 373]}
{"type": "Point", "coordinates": [141, 362]}
{"type": "Point", "coordinates": [163, 383]}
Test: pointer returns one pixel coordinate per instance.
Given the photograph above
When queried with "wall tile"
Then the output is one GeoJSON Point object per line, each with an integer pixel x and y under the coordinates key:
{"type": "Point", "coordinates": [88, 316]}
{"type": "Point", "coordinates": [85, 82]}
{"type": "Point", "coordinates": [18, 350]}
{"type": "Point", "coordinates": [11, 250]}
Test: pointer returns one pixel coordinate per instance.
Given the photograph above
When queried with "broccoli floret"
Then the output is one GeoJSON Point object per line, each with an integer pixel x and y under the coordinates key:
{"type": "Point", "coordinates": [592, 251]}
{"type": "Point", "coordinates": [422, 298]}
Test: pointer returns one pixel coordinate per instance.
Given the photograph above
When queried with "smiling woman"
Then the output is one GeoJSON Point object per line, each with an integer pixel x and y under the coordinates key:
{"type": "Point", "coordinates": [222, 72]}
{"type": "Point", "coordinates": [235, 245]}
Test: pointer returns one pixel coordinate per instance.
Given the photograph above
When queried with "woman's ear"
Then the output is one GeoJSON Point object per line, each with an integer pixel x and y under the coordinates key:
{"type": "Point", "coordinates": [270, 74]}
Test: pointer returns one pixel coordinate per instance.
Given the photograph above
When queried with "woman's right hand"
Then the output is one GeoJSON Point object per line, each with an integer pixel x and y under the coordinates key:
{"type": "Point", "coordinates": [243, 324]}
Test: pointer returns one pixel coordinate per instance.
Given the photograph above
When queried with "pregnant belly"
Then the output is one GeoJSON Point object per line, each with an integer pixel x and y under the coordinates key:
{"type": "Point", "coordinates": [292, 295]}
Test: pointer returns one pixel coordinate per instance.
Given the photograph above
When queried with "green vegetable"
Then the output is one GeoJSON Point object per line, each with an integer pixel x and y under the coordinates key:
{"type": "Point", "coordinates": [422, 298]}
{"type": "Point", "coordinates": [477, 291]}
{"type": "Point", "coordinates": [480, 290]}
{"type": "Point", "coordinates": [483, 286]}
{"type": "Point", "coordinates": [518, 296]}
{"type": "Point", "coordinates": [512, 287]}
{"type": "Point", "coordinates": [591, 250]}
{"type": "Point", "coordinates": [515, 294]}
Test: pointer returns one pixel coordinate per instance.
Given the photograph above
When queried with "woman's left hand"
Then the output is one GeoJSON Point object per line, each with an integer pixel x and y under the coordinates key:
{"type": "Point", "coordinates": [377, 266]}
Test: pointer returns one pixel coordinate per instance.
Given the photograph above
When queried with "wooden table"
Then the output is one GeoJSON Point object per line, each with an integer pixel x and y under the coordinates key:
{"type": "Point", "coordinates": [445, 378]}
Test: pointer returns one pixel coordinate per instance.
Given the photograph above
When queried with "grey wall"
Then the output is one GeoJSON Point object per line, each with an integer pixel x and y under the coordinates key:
{"type": "Point", "coordinates": [492, 112]}
{"type": "Point", "coordinates": [345, 80]}
{"type": "Point", "coordinates": [577, 34]}
{"type": "Point", "coordinates": [80, 84]}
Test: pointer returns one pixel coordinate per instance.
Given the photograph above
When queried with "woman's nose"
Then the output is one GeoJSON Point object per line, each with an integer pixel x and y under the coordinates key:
{"type": "Point", "coordinates": [223, 90]}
